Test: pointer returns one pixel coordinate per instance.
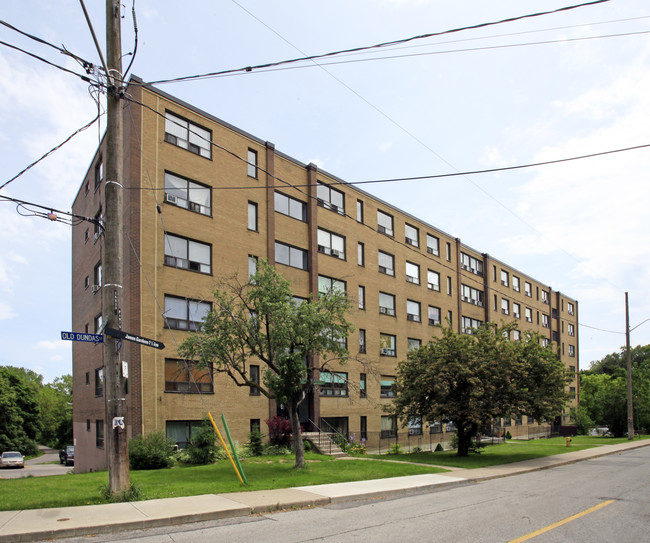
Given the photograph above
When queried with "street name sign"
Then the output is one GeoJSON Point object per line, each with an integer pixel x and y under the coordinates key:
{"type": "Point", "coordinates": [79, 336]}
{"type": "Point", "coordinates": [135, 339]}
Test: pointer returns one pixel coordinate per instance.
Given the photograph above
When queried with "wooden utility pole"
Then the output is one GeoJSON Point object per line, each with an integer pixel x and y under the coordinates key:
{"type": "Point", "coordinates": [628, 360]}
{"type": "Point", "coordinates": [115, 394]}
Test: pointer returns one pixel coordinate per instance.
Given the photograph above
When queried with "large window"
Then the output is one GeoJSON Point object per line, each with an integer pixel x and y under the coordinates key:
{"type": "Point", "coordinates": [387, 384]}
{"type": "Point", "coordinates": [470, 324]}
{"type": "Point", "coordinates": [434, 315]}
{"type": "Point", "coordinates": [188, 135]}
{"type": "Point", "coordinates": [412, 273]}
{"type": "Point", "coordinates": [387, 304]}
{"type": "Point", "coordinates": [185, 377]}
{"type": "Point", "coordinates": [333, 383]}
{"type": "Point", "coordinates": [387, 345]}
{"type": "Point", "coordinates": [290, 206]}
{"type": "Point", "coordinates": [433, 245]}
{"type": "Point", "coordinates": [252, 163]}
{"type": "Point", "coordinates": [471, 264]}
{"type": "Point", "coordinates": [328, 284]}
{"type": "Point", "coordinates": [388, 426]}
{"type": "Point", "coordinates": [188, 194]}
{"type": "Point", "coordinates": [330, 198]}
{"type": "Point", "coordinates": [412, 235]}
{"type": "Point", "coordinates": [413, 311]}
{"type": "Point", "coordinates": [386, 263]}
{"type": "Point", "coordinates": [185, 314]}
{"type": "Point", "coordinates": [187, 254]}
{"type": "Point", "coordinates": [291, 256]}
{"type": "Point", "coordinates": [385, 223]}
{"type": "Point", "coordinates": [331, 244]}
{"type": "Point", "coordinates": [471, 295]}
{"type": "Point", "coordinates": [180, 431]}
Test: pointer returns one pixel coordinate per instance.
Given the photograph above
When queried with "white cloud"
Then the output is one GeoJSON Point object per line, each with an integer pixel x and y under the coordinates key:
{"type": "Point", "coordinates": [6, 311]}
{"type": "Point", "coordinates": [51, 345]}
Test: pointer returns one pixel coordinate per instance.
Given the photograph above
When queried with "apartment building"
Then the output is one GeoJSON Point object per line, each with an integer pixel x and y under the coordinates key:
{"type": "Point", "coordinates": [204, 200]}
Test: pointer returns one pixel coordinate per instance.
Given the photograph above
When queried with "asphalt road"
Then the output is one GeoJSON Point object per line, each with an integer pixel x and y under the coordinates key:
{"type": "Point", "coordinates": [38, 467]}
{"type": "Point", "coordinates": [597, 501]}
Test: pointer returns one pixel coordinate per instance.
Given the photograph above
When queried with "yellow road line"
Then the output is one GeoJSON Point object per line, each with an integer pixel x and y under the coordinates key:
{"type": "Point", "coordinates": [561, 522]}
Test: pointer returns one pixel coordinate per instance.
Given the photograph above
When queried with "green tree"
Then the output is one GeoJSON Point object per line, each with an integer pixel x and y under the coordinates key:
{"type": "Point", "coordinates": [20, 413]}
{"type": "Point", "coordinates": [260, 321]}
{"type": "Point", "coordinates": [471, 379]}
{"type": "Point", "coordinates": [55, 401]}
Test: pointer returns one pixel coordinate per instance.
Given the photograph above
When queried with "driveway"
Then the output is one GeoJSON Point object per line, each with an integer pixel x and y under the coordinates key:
{"type": "Point", "coordinates": [46, 464]}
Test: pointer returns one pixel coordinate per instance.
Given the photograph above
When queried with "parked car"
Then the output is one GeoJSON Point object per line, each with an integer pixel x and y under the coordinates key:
{"type": "Point", "coordinates": [12, 459]}
{"type": "Point", "coordinates": [66, 456]}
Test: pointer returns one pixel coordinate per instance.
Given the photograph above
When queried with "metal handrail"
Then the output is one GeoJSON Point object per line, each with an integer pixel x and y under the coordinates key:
{"type": "Point", "coordinates": [327, 434]}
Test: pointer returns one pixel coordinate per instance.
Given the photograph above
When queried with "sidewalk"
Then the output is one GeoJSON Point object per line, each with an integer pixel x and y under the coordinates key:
{"type": "Point", "coordinates": [40, 524]}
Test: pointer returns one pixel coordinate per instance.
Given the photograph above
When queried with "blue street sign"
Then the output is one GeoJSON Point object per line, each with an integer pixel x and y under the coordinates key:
{"type": "Point", "coordinates": [79, 336]}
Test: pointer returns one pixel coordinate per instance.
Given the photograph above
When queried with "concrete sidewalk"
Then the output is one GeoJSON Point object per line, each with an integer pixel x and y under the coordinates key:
{"type": "Point", "coordinates": [40, 524]}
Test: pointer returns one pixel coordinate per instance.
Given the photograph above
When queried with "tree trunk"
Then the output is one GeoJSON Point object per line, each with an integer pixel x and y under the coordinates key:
{"type": "Point", "coordinates": [297, 436]}
{"type": "Point", "coordinates": [465, 436]}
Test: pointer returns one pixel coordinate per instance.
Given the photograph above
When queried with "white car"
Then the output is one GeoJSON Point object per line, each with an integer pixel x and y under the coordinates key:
{"type": "Point", "coordinates": [12, 459]}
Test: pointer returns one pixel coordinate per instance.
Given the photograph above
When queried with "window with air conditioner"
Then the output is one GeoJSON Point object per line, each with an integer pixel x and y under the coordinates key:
{"type": "Point", "coordinates": [528, 289]}
{"type": "Point", "coordinates": [505, 278]}
{"type": "Point", "coordinates": [471, 295]}
{"type": "Point", "coordinates": [412, 235]}
{"type": "Point", "coordinates": [516, 283]}
{"type": "Point", "coordinates": [471, 264]}
{"type": "Point", "coordinates": [516, 310]}
{"type": "Point", "coordinates": [187, 254]}
{"type": "Point", "coordinates": [412, 273]}
{"type": "Point", "coordinates": [505, 306]}
{"type": "Point", "coordinates": [434, 315]}
{"type": "Point", "coordinates": [385, 223]}
{"type": "Point", "coordinates": [387, 304]}
{"type": "Point", "coordinates": [386, 263]}
{"type": "Point", "coordinates": [433, 280]}
{"type": "Point", "coordinates": [433, 245]}
{"type": "Point", "coordinates": [387, 345]}
{"type": "Point", "coordinates": [469, 325]}
{"type": "Point", "coordinates": [190, 136]}
{"type": "Point", "coordinates": [571, 329]}
{"type": "Point", "coordinates": [331, 244]}
{"type": "Point", "coordinates": [188, 194]}
{"type": "Point", "coordinates": [330, 198]}
{"type": "Point", "coordinates": [529, 314]}
{"type": "Point", "coordinates": [413, 311]}
{"type": "Point", "coordinates": [546, 320]}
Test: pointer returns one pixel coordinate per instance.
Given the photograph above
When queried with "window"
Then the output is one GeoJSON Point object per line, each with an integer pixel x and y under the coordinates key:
{"type": "Point", "coordinates": [361, 254]}
{"type": "Point", "coordinates": [187, 135]}
{"type": "Point", "coordinates": [98, 323]}
{"type": "Point", "coordinates": [546, 342]}
{"type": "Point", "coordinates": [434, 315]}
{"type": "Point", "coordinates": [545, 297]}
{"type": "Point", "coordinates": [99, 382]}
{"type": "Point", "coordinates": [415, 427]}
{"type": "Point", "coordinates": [528, 289]}
{"type": "Point", "coordinates": [387, 386]}
{"type": "Point", "coordinates": [470, 324]}
{"type": "Point", "coordinates": [471, 295]}
{"type": "Point", "coordinates": [572, 369]}
{"type": "Point", "coordinates": [97, 275]}
{"type": "Point", "coordinates": [516, 335]}
{"type": "Point", "coordinates": [188, 194]}
{"type": "Point", "coordinates": [328, 284]}
{"type": "Point", "coordinates": [388, 426]}
{"type": "Point", "coordinates": [290, 206]}
{"type": "Point", "coordinates": [570, 308]}
{"type": "Point", "coordinates": [255, 425]}
{"type": "Point", "coordinates": [252, 216]}
{"type": "Point", "coordinates": [505, 278]}
{"type": "Point", "coordinates": [413, 311]}
{"type": "Point", "coordinates": [529, 314]}
{"type": "Point", "coordinates": [291, 256]}
{"type": "Point", "coordinates": [448, 251]}
{"type": "Point", "coordinates": [471, 264]}
{"type": "Point", "coordinates": [187, 254]}
{"type": "Point", "coordinates": [363, 386]}
{"type": "Point", "coordinates": [254, 377]}
{"type": "Point", "coordinates": [252, 163]}
{"type": "Point", "coordinates": [331, 244]}
{"type": "Point", "coordinates": [449, 291]}
{"type": "Point", "coordinates": [185, 314]}
{"type": "Point", "coordinates": [87, 425]}
{"type": "Point", "coordinates": [99, 434]}
{"type": "Point", "coordinates": [433, 280]}
{"type": "Point", "coordinates": [516, 310]}
{"type": "Point", "coordinates": [98, 224]}
{"type": "Point", "coordinates": [435, 427]}
{"type": "Point", "coordinates": [385, 223]}
{"type": "Point", "coordinates": [572, 393]}
{"type": "Point", "coordinates": [362, 297]}
{"type": "Point", "coordinates": [412, 273]}
{"type": "Point", "coordinates": [572, 350]}
{"type": "Point", "coordinates": [546, 320]}
{"type": "Point", "coordinates": [185, 377]}
{"type": "Point", "coordinates": [519, 420]}
{"type": "Point", "coordinates": [433, 245]}
{"type": "Point", "coordinates": [387, 345]}
{"type": "Point", "coordinates": [414, 344]}
{"type": "Point", "coordinates": [386, 304]}
{"type": "Point", "coordinates": [99, 172]}
{"type": "Point", "coordinates": [360, 211]}
{"type": "Point", "coordinates": [412, 235]}
{"type": "Point", "coordinates": [333, 383]}
{"type": "Point", "coordinates": [386, 263]}
{"type": "Point", "coordinates": [87, 377]}
{"type": "Point", "coordinates": [505, 306]}
{"type": "Point", "coordinates": [330, 198]}
{"type": "Point", "coordinates": [516, 284]}
{"type": "Point", "coordinates": [571, 329]}
{"type": "Point", "coordinates": [362, 341]}
{"type": "Point", "coordinates": [450, 317]}
{"type": "Point", "coordinates": [252, 266]}
{"type": "Point", "coordinates": [180, 431]}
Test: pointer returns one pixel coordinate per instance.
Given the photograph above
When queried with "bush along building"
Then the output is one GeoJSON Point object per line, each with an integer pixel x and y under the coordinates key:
{"type": "Point", "coordinates": [204, 200]}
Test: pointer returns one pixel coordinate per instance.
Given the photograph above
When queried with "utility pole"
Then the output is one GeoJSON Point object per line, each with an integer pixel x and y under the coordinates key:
{"type": "Point", "coordinates": [628, 360]}
{"type": "Point", "coordinates": [116, 427]}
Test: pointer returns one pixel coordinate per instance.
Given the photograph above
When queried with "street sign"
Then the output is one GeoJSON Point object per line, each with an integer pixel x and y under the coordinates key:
{"type": "Point", "coordinates": [135, 339]}
{"type": "Point", "coordinates": [79, 336]}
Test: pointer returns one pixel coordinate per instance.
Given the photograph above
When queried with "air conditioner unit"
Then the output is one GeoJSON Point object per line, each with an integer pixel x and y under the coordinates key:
{"type": "Point", "coordinates": [412, 317]}
{"type": "Point", "coordinates": [467, 299]}
{"type": "Point", "coordinates": [388, 352]}
{"type": "Point", "coordinates": [411, 279]}
{"type": "Point", "coordinates": [412, 242]}
{"type": "Point", "coordinates": [381, 229]}
{"type": "Point", "coordinates": [170, 198]}
{"type": "Point", "coordinates": [433, 322]}
{"type": "Point", "coordinates": [193, 206]}
{"type": "Point", "coordinates": [95, 288]}
{"type": "Point", "coordinates": [323, 249]}
{"type": "Point", "coordinates": [432, 251]}
{"type": "Point", "coordinates": [383, 310]}
{"type": "Point", "coordinates": [336, 253]}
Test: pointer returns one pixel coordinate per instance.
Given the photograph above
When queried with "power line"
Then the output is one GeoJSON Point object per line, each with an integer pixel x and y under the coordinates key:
{"type": "Point", "coordinates": [48, 212]}
{"type": "Point", "coordinates": [376, 46]}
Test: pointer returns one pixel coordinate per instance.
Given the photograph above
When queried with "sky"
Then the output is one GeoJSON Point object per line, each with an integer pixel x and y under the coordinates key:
{"type": "Point", "coordinates": [540, 89]}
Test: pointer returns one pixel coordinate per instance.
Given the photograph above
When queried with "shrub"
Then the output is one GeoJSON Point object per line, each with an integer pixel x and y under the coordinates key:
{"type": "Point", "coordinates": [276, 450]}
{"type": "Point", "coordinates": [255, 444]}
{"type": "Point", "coordinates": [416, 450]}
{"type": "Point", "coordinates": [508, 435]}
{"type": "Point", "coordinates": [279, 431]}
{"type": "Point", "coordinates": [151, 451]}
{"type": "Point", "coordinates": [306, 446]}
{"type": "Point", "coordinates": [202, 448]}
{"type": "Point", "coordinates": [133, 494]}
{"type": "Point", "coordinates": [395, 448]}
{"type": "Point", "coordinates": [439, 447]}
{"type": "Point", "coordinates": [355, 448]}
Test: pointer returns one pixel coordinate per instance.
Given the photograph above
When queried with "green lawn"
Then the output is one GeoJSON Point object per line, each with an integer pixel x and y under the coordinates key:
{"type": "Point", "coordinates": [506, 453]}
{"type": "Point", "coordinates": [262, 473]}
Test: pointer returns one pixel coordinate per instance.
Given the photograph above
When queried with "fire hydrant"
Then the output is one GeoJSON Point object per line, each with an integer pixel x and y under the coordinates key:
{"type": "Point", "coordinates": [568, 441]}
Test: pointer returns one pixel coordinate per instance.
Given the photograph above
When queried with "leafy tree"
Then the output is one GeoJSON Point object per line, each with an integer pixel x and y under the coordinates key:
{"type": "Point", "coordinates": [471, 379]}
{"type": "Point", "coordinates": [202, 448]}
{"type": "Point", "coordinates": [260, 321]}
{"type": "Point", "coordinates": [55, 401]}
{"type": "Point", "coordinates": [151, 451]}
{"type": "Point", "coordinates": [20, 421]}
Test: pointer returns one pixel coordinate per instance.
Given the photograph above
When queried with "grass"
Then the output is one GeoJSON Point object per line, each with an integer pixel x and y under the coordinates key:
{"type": "Point", "coordinates": [506, 453]}
{"type": "Point", "coordinates": [262, 473]}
